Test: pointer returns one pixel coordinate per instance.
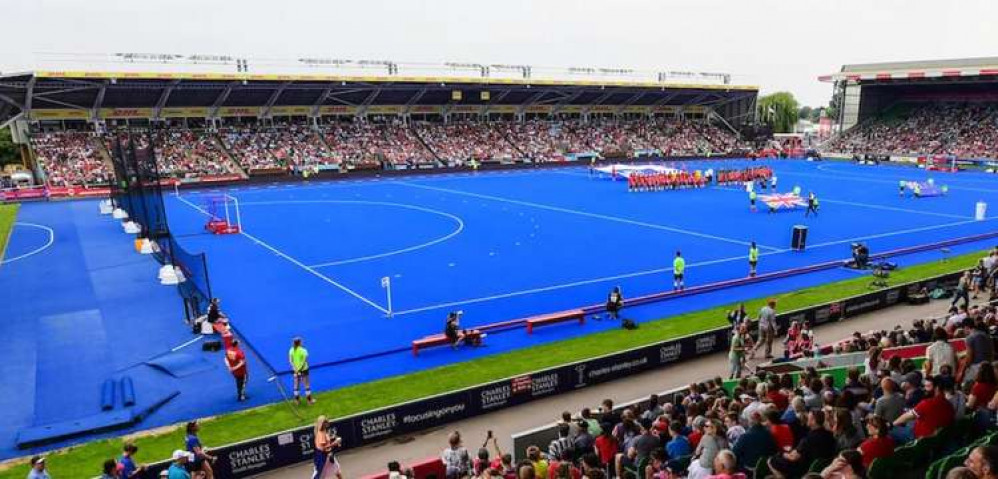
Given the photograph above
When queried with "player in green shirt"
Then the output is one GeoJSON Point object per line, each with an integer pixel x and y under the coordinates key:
{"type": "Point", "coordinates": [298, 356]}
{"type": "Point", "coordinates": [751, 200]}
{"type": "Point", "coordinates": [678, 268]}
{"type": "Point", "coordinates": [753, 259]}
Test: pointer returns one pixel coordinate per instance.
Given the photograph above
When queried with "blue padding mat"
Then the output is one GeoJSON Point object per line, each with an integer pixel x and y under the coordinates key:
{"type": "Point", "coordinates": [104, 421]}
{"type": "Point", "coordinates": [181, 365]}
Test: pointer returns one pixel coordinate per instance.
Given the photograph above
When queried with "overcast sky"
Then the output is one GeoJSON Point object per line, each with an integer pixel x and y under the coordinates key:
{"type": "Point", "coordinates": [775, 44]}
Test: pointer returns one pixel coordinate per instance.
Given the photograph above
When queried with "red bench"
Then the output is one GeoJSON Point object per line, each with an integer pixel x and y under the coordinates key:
{"type": "Point", "coordinates": [561, 316]}
{"type": "Point", "coordinates": [472, 335]}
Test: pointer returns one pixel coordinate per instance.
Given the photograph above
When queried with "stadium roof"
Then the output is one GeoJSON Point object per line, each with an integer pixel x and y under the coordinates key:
{"type": "Point", "coordinates": [917, 70]}
{"type": "Point", "coordinates": [83, 95]}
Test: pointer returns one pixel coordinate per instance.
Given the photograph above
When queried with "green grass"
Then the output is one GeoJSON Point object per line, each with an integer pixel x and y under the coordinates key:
{"type": "Point", "coordinates": [7, 215]}
{"type": "Point", "coordinates": [85, 460]}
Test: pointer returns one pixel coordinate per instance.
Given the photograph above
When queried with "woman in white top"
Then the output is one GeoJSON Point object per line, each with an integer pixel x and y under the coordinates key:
{"type": "Point", "coordinates": [940, 353]}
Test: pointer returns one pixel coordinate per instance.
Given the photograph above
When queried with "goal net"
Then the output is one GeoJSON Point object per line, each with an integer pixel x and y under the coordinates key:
{"type": "Point", "coordinates": [223, 214]}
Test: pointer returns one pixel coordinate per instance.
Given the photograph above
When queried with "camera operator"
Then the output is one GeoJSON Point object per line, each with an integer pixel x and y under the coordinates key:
{"type": "Point", "coordinates": [452, 329]}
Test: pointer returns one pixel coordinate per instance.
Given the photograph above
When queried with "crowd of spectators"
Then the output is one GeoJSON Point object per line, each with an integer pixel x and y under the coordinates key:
{"type": "Point", "coordinates": [71, 159]}
{"type": "Point", "coordinates": [380, 142]}
{"type": "Point", "coordinates": [967, 130]}
{"type": "Point", "coordinates": [790, 425]}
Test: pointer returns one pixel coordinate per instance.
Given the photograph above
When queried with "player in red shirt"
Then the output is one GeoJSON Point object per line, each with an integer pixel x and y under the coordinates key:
{"type": "Point", "coordinates": [235, 360]}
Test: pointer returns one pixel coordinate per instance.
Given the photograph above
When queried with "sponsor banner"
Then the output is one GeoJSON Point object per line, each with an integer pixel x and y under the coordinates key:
{"type": "Point", "coordinates": [538, 109]}
{"type": "Point", "coordinates": [636, 109]}
{"type": "Point", "coordinates": [568, 109]}
{"type": "Point", "coordinates": [385, 109]}
{"type": "Point", "coordinates": [603, 108]}
{"type": "Point", "coordinates": [694, 109]}
{"type": "Point", "coordinates": [503, 108]}
{"type": "Point", "coordinates": [59, 114]}
{"type": "Point", "coordinates": [433, 109]}
{"type": "Point", "coordinates": [15, 194]}
{"type": "Point", "coordinates": [411, 417]}
{"type": "Point", "coordinates": [337, 110]}
{"type": "Point", "coordinates": [125, 113]}
{"type": "Point", "coordinates": [239, 111]}
{"type": "Point", "coordinates": [77, 191]}
{"type": "Point", "coordinates": [291, 111]}
{"type": "Point", "coordinates": [184, 112]}
{"type": "Point", "coordinates": [664, 109]}
{"type": "Point", "coordinates": [465, 109]}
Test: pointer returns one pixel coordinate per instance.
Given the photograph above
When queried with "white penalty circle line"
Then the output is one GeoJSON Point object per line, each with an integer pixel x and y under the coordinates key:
{"type": "Point", "coordinates": [456, 219]}
{"type": "Point", "coordinates": [48, 243]}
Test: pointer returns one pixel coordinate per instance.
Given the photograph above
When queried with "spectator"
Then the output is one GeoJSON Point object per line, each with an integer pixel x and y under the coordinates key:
{"type": "Point", "coordinates": [756, 443]}
{"type": "Point", "coordinates": [323, 456]}
{"type": "Point", "coordinates": [456, 461]}
{"type": "Point", "coordinates": [983, 462]}
{"type": "Point", "coordinates": [38, 468]}
{"type": "Point", "coordinates": [819, 443]}
{"type": "Point", "coordinates": [878, 443]}
{"type": "Point", "coordinates": [537, 461]}
{"type": "Point", "coordinates": [726, 466]}
{"type": "Point", "coordinates": [891, 403]}
{"type": "Point", "coordinates": [781, 433]}
{"type": "Point", "coordinates": [678, 445]}
{"type": "Point", "coordinates": [767, 329]}
{"type": "Point", "coordinates": [961, 473]}
{"type": "Point", "coordinates": [607, 446]}
{"type": "Point", "coordinates": [939, 354]}
{"type": "Point", "coordinates": [110, 470]}
{"type": "Point", "coordinates": [562, 443]}
{"type": "Point", "coordinates": [126, 463]}
{"type": "Point", "coordinates": [583, 442]}
{"type": "Point", "coordinates": [736, 353]}
{"type": "Point", "coordinates": [178, 468]}
{"type": "Point", "coordinates": [710, 445]}
{"type": "Point", "coordinates": [235, 360]}
{"type": "Point", "coordinates": [594, 426]}
{"type": "Point", "coordinates": [733, 427]}
{"type": "Point", "coordinates": [846, 434]}
{"type": "Point", "coordinates": [201, 460]}
{"type": "Point", "coordinates": [931, 414]}
{"type": "Point", "coordinates": [395, 471]}
{"type": "Point", "coordinates": [980, 350]}
{"type": "Point", "coordinates": [847, 465]}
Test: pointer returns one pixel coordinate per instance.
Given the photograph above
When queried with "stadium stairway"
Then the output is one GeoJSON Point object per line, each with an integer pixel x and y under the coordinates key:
{"type": "Point", "coordinates": [229, 156]}
{"type": "Point", "coordinates": [512, 143]}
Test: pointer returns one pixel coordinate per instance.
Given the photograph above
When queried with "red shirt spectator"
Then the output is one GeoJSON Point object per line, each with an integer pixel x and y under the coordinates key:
{"type": "Point", "coordinates": [876, 447]}
{"type": "Point", "coordinates": [606, 447]}
{"type": "Point", "coordinates": [931, 414]}
{"type": "Point", "coordinates": [783, 436]}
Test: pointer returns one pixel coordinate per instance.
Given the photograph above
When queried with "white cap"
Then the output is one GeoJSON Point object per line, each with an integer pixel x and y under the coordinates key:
{"type": "Point", "coordinates": [182, 454]}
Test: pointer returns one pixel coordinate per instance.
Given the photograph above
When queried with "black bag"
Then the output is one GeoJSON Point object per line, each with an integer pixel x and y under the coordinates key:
{"type": "Point", "coordinates": [211, 346]}
{"type": "Point", "coordinates": [629, 325]}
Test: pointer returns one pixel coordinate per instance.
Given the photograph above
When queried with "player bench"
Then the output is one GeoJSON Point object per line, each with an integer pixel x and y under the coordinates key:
{"type": "Point", "coordinates": [559, 317]}
{"type": "Point", "coordinates": [472, 336]}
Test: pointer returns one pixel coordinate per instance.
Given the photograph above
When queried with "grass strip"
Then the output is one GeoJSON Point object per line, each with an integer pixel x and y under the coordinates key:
{"type": "Point", "coordinates": [8, 213]}
{"type": "Point", "coordinates": [85, 460]}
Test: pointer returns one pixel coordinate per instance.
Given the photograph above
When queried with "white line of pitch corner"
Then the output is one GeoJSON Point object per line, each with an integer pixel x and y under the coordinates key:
{"type": "Point", "coordinates": [49, 242]}
{"type": "Point", "coordinates": [587, 214]}
{"type": "Point", "coordinates": [297, 263]}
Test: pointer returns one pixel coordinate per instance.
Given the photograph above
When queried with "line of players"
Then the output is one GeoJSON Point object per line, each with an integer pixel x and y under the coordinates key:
{"type": "Point", "coordinates": [759, 174]}
{"type": "Point", "coordinates": [668, 181]}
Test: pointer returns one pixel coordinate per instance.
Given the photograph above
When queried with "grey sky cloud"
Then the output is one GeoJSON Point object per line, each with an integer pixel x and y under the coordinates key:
{"type": "Point", "coordinates": [775, 44]}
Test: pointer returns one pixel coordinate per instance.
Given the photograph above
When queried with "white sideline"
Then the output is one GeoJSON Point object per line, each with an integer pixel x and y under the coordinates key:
{"type": "Point", "coordinates": [35, 251]}
{"type": "Point", "coordinates": [587, 214]}
{"type": "Point", "coordinates": [296, 262]}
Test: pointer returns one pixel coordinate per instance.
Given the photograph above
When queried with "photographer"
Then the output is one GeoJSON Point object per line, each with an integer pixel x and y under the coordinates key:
{"type": "Point", "coordinates": [452, 329]}
{"type": "Point", "coordinates": [614, 302]}
{"type": "Point", "coordinates": [325, 440]}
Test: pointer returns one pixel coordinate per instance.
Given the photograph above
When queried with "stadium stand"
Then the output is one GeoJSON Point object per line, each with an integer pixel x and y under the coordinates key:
{"type": "Point", "coordinates": [191, 154]}
{"type": "Point", "coordinates": [967, 130]}
{"type": "Point", "coordinates": [71, 159]}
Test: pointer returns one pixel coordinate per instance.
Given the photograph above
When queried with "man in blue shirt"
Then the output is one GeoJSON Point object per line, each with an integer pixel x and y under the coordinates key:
{"type": "Point", "coordinates": [126, 463]}
{"type": "Point", "coordinates": [678, 446]}
{"type": "Point", "coordinates": [755, 443]}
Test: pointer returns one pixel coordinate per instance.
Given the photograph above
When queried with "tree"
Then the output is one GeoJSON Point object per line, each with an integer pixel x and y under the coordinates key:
{"type": "Point", "coordinates": [805, 113]}
{"type": "Point", "coordinates": [8, 150]}
{"type": "Point", "coordinates": [779, 110]}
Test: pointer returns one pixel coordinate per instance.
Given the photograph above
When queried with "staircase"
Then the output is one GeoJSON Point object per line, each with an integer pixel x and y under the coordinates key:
{"type": "Point", "coordinates": [228, 156]}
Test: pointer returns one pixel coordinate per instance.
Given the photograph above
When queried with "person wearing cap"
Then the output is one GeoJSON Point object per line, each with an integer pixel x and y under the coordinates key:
{"type": "Point", "coordinates": [178, 468]}
{"type": "Point", "coordinates": [38, 468]}
{"type": "Point", "coordinates": [298, 357]}
{"type": "Point", "coordinates": [126, 463]}
{"type": "Point", "coordinates": [235, 361]}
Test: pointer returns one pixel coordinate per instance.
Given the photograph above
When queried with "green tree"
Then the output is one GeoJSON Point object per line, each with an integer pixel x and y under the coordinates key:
{"type": "Point", "coordinates": [805, 113]}
{"type": "Point", "coordinates": [779, 110]}
{"type": "Point", "coordinates": [8, 150]}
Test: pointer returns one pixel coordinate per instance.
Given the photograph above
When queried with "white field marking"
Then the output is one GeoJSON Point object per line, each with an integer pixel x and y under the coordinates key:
{"type": "Point", "coordinates": [48, 243]}
{"type": "Point", "coordinates": [587, 214]}
{"type": "Point", "coordinates": [296, 262]}
{"type": "Point", "coordinates": [574, 284]}
{"type": "Point", "coordinates": [457, 231]}
{"type": "Point", "coordinates": [871, 180]}
{"type": "Point", "coordinates": [664, 270]}
{"type": "Point", "coordinates": [188, 343]}
{"type": "Point", "coordinates": [900, 169]}
{"type": "Point", "coordinates": [900, 232]}
{"type": "Point", "coordinates": [872, 206]}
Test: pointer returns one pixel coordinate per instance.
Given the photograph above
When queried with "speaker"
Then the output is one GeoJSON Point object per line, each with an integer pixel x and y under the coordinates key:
{"type": "Point", "coordinates": [799, 238]}
{"type": "Point", "coordinates": [211, 346]}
